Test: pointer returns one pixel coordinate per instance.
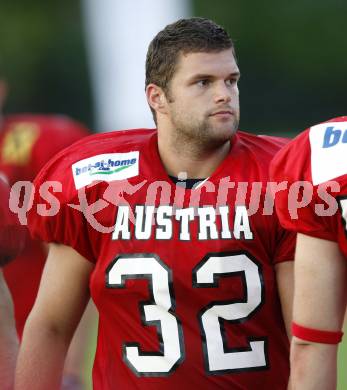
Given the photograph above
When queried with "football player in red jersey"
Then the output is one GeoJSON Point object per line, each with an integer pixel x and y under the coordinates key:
{"type": "Point", "coordinates": [317, 160]}
{"type": "Point", "coordinates": [12, 236]}
{"type": "Point", "coordinates": [27, 142]}
{"type": "Point", "coordinates": [193, 291]}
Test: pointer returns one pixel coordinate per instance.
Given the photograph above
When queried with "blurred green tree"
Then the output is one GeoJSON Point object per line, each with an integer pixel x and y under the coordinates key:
{"type": "Point", "coordinates": [43, 58]}
{"type": "Point", "coordinates": [292, 58]}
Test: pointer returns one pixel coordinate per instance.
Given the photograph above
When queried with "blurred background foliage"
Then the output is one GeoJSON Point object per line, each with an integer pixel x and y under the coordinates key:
{"type": "Point", "coordinates": [292, 57]}
{"type": "Point", "coordinates": [43, 58]}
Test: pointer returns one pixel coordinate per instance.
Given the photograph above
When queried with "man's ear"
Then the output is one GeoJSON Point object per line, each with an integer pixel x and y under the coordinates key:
{"type": "Point", "coordinates": [156, 98]}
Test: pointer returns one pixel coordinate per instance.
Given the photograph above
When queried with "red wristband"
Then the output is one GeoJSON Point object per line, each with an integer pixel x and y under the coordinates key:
{"type": "Point", "coordinates": [316, 335]}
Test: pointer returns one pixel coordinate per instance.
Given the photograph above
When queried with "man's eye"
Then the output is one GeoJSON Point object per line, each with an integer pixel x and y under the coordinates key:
{"type": "Point", "coordinates": [203, 83]}
{"type": "Point", "coordinates": [231, 82]}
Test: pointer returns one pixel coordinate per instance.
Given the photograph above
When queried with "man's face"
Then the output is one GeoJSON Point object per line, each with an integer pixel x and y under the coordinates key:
{"type": "Point", "coordinates": [203, 97]}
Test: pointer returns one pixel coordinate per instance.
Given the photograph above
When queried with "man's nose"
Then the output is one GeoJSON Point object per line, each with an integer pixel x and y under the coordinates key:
{"type": "Point", "coordinates": [222, 93]}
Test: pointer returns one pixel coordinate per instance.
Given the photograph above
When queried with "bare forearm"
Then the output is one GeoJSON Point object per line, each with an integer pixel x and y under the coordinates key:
{"type": "Point", "coordinates": [313, 366]}
{"type": "Point", "coordinates": [77, 355]}
{"type": "Point", "coordinates": [319, 304]}
{"type": "Point", "coordinates": [285, 284]}
{"type": "Point", "coordinates": [8, 356]}
{"type": "Point", "coordinates": [60, 303]}
{"type": "Point", "coordinates": [8, 337]}
{"type": "Point", "coordinates": [41, 360]}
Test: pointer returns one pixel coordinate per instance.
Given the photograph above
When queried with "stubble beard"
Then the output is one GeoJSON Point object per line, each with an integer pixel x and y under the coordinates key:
{"type": "Point", "coordinates": [201, 135]}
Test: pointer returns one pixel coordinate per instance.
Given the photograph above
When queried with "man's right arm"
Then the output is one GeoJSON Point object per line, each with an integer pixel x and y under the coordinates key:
{"type": "Point", "coordinates": [319, 303]}
{"type": "Point", "coordinates": [62, 297]}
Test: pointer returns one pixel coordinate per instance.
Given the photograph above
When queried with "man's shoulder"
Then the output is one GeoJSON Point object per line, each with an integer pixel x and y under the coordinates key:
{"type": "Point", "coordinates": [264, 144]}
{"type": "Point", "coordinates": [103, 156]}
{"type": "Point", "coordinates": [316, 154]}
{"type": "Point", "coordinates": [120, 141]}
{"type": "Point", "coordinates": [328, 146]}
{"type": "Point", "coordinates": [256, 152]}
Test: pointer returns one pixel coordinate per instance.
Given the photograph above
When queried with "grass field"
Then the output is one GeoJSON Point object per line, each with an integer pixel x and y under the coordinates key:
{"type": "Point", "coordinates": [342, 363]}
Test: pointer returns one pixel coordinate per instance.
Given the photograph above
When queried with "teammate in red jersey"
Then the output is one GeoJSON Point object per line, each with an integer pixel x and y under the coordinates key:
{"type": "Point", "coordinates": [188, 284]}
{"type": "Point", "coordinates": [27, 142]}
{"type": "Point", "coordinates": [12, 236]}
{"type": "Point", "coordinates": [316, 159]}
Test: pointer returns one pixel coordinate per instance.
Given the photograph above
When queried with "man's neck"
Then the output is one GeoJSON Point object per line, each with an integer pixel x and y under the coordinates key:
{"type": "Point", "coordinates": [196, 162]}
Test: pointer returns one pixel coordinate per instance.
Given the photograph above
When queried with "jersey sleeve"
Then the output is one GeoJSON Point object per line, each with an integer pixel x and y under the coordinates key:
{"type": "Point", "coordinates": [299, 203]}
{"type": "Point", "coordinates": [285, 245]}
{"type": "Point", "coordinates": [55, 215]}
{"type": "Point", "coordinates": [70, 205]}
{"type": "Point", "coordinates": [12, 234]}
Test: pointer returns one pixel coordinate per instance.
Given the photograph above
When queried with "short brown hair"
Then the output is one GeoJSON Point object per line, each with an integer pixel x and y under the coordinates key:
{"type": "Point", "coordinates": [184, 36]}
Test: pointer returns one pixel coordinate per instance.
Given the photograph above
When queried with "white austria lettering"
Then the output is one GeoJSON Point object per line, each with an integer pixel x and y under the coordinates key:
{"type": "Point", "coordinates": [241, 224]}
{"type": "Point", "coordinates": [158, 223]}
{"type": "Point", "coordinates": [224, 213]}
{"type": "Point", "coordinates": [143, 226]}
{"type": "Point", "coordinates": [185, 216]}
{"type": "Point", "coordinates": [164, 229]}
{"type": "Point", "coordinates": [122, 224]}
{"type": "Point", "coordinates": [207, 223]}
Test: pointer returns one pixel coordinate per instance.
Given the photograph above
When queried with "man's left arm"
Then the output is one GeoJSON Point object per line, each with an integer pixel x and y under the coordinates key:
{"type": "Point", "coordinates": [75, 375]}
{"type": "Point", "coordinates": [285, 284]}
{"type": "Point", "coordinates": [319, 308]}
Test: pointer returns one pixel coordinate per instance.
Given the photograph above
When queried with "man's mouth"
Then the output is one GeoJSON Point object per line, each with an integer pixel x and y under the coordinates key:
{"type": "Point", "coordinates": [222, 113]}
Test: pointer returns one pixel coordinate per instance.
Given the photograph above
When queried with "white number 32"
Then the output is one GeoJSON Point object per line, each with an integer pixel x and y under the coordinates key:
{"type": "Point", "coordinates": [159, 311]}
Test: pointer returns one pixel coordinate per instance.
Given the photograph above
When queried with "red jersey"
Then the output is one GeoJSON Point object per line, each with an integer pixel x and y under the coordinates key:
{"type": "Point", "coordinates": [184, 279]}
{"type": "Point", "coordinates": [27, 142]}
{"type": "Point", "coordinates": [12, 234]}
{"type": "Point", "coordinates": [316, 158]}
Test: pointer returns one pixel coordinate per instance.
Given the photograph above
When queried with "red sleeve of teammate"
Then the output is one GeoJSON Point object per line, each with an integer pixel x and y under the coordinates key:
{"type": "Point", "coordinates": [54, 227]}
{"type": "Point", "coordinates": [284, 240]}
{"type": "Point", "coordinates": [285, 245]}
{"type": "Point", "coordinates": [57, 133]}
{"type": "Point", "coordinates": [12, 234]}
{"type": "Point", "coordinates": [299, 203]}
